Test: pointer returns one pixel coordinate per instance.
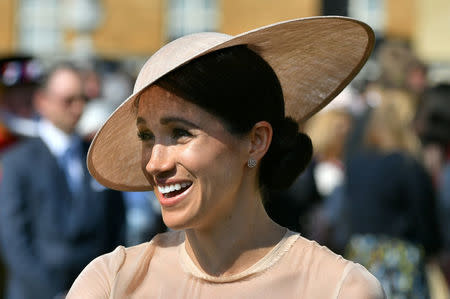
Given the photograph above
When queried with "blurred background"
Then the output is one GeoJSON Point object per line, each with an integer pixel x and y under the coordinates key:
{"type": "Point", "coordinates": [378, 188]}
{"type": "Point", "coordinates": [114, 29]}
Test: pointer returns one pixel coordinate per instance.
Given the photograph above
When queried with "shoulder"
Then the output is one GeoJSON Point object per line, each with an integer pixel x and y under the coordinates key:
{"type": "Point", "coordinates": [118, 267]}
{"type": "Point", "coordinates": [22, 146]}
{"type": "Point", "coordinates": [357, 282]}
{"type": "Point", "coordinates": [107, 265]}
{"type": "Point", "coordinates": [341, 277]}
{"type": "Point", "coordinates": [319, 257]}
{"type": "Point", "coordinates": [97, 278]}
{"type": "Point", "coordinates": [20, 151]}
{"type": "Point", "coordinates": [122, 256]}
{"type": "Point", "coordinates": [16, 160]}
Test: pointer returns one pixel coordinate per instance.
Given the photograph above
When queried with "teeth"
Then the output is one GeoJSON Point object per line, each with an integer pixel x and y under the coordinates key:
{"type": "Point", "coordinates": [171, 188]}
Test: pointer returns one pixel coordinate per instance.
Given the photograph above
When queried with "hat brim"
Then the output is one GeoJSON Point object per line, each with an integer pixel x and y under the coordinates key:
{"type": "Point", "coordinates": [313, 58]}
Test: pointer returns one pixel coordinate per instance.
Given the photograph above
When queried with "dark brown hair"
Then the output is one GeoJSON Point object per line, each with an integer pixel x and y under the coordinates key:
{"type": "Point", "coordinates": [241, 88]}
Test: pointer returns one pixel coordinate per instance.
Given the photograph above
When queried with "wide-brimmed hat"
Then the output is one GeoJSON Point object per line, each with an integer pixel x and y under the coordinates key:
{"type": "Point", "coordinates": [313, 58]}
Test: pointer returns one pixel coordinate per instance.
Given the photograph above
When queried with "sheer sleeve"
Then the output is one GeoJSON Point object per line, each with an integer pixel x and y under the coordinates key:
{"type": "Point", "coordinates": [96, 279]}
{"type": "Point", "coordinates": [357, 282]}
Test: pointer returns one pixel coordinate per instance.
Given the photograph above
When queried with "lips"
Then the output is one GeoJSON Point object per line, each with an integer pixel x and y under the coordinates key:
{"type": "Point", "coordinates": [170, 192]}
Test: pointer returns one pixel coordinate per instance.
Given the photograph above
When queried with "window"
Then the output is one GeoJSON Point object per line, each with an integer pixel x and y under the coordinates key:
{"type": "Point", "coordinates": [371, 12]}
{"type": "Point", "coordinates": [39, 29]}
{"type": "Point", "coordinates": [190, 16]}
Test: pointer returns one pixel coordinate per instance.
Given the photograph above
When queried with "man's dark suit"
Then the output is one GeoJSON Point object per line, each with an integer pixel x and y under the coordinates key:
{"type": "Point", "coordinates": [47, 237]}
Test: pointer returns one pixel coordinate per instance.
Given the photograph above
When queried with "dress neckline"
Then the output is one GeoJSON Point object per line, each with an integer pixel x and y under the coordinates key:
{"type": "Point", "coordinates": [264, 263]}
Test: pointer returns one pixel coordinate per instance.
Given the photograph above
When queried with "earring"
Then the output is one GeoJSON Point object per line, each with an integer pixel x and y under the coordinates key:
{"type": "Point", "coordinates": [251, 163]}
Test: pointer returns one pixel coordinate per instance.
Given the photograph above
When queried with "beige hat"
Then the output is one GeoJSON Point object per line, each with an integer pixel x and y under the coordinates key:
{"type": "Point", "coordinates": [313, 58]}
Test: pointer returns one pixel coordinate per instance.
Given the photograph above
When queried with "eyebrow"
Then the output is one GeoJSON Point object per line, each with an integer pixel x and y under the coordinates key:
{"type": "Point", "coordinates": [167, 120]}
{"type": "Point", "coordinates": [140, 120]}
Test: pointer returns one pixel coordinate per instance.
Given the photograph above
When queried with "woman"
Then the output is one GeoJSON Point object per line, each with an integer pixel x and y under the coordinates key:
{"type": "Point", "coordinates": [394, 217]}
{"type": "Point", "coordinates": [212, 138]}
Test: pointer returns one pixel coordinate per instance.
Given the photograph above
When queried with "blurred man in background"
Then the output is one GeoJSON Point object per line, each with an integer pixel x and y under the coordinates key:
{"type": "Point", "coordinates": [54, 218]}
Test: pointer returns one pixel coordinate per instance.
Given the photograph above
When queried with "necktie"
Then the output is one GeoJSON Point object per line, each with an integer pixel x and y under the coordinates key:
{"type": "Point", "coordinates": [71, 164]}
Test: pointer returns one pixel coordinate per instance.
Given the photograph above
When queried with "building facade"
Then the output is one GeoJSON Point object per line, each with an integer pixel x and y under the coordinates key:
{"type": "Point", "coordinates": [116, 29]}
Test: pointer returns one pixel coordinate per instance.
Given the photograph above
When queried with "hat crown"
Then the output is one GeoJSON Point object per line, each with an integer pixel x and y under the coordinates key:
{"type": "Point", "coordinates": [176, 53]}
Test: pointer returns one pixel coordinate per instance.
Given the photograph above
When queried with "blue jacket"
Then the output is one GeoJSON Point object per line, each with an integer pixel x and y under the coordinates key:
{"type": "Point", "coordinates": [46, 236]}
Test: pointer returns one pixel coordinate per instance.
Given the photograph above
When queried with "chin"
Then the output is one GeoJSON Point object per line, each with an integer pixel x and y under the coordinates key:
{"type": "Point", "coordinates": [175, 221]}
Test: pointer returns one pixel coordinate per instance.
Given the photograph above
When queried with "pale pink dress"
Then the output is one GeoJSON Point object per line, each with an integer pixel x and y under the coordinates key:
{"type": "Point", "coordinates": [294, 268]}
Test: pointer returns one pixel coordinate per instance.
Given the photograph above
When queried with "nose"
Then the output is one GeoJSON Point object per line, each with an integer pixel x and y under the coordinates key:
{"type": "Point", "coordinates": [159, 161]}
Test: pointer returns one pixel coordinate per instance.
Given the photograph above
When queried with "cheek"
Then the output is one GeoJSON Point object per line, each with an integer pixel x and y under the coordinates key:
{"type": "Point", "coordinates": [214, 163]}
{"type": "Point", "coordinates": [145, 157]}
{"type": "Point", "coordinates": [202, 156]}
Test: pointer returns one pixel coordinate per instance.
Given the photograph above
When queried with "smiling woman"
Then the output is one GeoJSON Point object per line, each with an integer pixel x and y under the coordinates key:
{"type": "Point", "coordinates": [217, 125]}
{"type": "Point", "coordinates": [188, 146]}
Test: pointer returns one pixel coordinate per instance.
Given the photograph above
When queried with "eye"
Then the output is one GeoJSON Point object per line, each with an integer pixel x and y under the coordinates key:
{"type": "Point", "coordinates": [179, 133]}
{"type": "Point", "coordinates": [145, 135]}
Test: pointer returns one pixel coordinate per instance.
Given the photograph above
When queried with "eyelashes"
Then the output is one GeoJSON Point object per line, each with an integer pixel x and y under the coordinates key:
{"type": "Point", "coordinates": [179, 133]}
{"type": "Point", "coordinates": [145, 136]}
{"type": "Point", "coordinates": [176, 134]}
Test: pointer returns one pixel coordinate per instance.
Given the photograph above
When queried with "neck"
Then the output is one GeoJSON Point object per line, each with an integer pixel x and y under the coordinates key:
{"type": "Point", "coordinates": [235, 243]}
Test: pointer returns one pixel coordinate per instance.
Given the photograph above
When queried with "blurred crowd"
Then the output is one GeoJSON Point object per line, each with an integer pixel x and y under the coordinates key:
{"type": "Point", "coordinates": [54, 217]}
{"type": "Point", "coordinates": [376, 192]}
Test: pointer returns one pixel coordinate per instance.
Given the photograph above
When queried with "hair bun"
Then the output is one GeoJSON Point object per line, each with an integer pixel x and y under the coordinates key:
{"type": "Point", "coordinates": [288, 155]}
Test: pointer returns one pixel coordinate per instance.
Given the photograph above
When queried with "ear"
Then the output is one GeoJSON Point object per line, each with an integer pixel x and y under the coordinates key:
{"type": "Point", "coordinates": [260, 139]}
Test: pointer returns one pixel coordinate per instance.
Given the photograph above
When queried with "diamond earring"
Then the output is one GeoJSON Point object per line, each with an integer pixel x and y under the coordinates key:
{"type": "Point", "coordinates": [251, 163]}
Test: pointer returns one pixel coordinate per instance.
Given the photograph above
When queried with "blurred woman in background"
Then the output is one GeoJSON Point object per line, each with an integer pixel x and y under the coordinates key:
{"type": "Point", "coordinates": [389, 202]}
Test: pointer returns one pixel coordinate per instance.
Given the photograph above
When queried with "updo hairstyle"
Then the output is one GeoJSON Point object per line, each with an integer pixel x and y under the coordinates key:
{"type": "Point", "coordinates": [240, 88]}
